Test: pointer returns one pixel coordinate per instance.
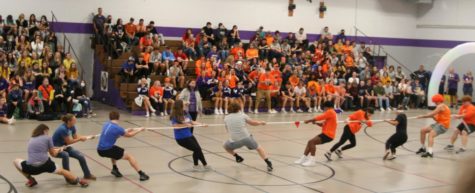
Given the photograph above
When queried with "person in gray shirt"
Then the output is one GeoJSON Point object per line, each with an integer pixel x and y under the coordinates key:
{"type": "Point", "coordinates": [39, 162]}
{"type": "Point", "coordinates": [235, 124]}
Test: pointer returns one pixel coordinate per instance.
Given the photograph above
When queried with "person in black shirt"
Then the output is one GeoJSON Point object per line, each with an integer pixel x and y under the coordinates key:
{"type": "Point", "coordinates": [397, 139]}
{"type": "Point", "coordinates": [208, 32]}
{"type": "Point", "coordinates": [423, 76]}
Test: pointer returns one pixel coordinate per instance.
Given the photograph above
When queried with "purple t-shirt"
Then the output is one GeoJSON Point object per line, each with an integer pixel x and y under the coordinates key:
{"type": "Point", "coordinates": [453, 80]}
{"type": "Point", "coordinates": [469, 79]}
{"type": "Point", "coordinates": [38, 148]}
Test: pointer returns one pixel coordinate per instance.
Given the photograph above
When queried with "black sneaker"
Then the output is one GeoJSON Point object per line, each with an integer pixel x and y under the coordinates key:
{"type": "Point", "coordinates": [449, 147]}
{"type": "Point", "coordinates": [421, 151]}
{"type": "Point", "coordinates": [427, 154]}
{"type": "Point", "coordinates": [144, 177]}
{"type": "Point", "coordinates": [461, 150]}
{"type": "Point", "coordinates": [116, 173]}
{"type": "Point", "coordinates": [328, 155]}
{"type": "Point", "coordinates": [239, 159]}
{"type": "Point", "coordinates": [339, 153]}
{"type": "Point", "coordinates": [269, 166]}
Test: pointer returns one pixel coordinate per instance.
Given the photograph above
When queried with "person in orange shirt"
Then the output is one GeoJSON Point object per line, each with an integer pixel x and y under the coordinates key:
{"type": "Point", "coordinates": [263, 90]}
{"type": "Point", "coordinates": [294, 79]}
{"type": "Point", "coordinates": [441, 115]}
{"type": "Point", "coordinates": [156, 96]}
{"type": "Point", "coordinates": [349, 62]}
{"type": "Point", "coordinates": [276, 72]}
{"type": "Point", "coordinates": [329, 125]}
{"type": "Point", "coordinates": [237, 51]}
{"type": "Point", "coordinates": [312, 87]}
{"type": "Point", "coordinates": [232, 78]}
{"type": "Point", "coordinates": [332, 92]}
{"type": "Point", "coordinates": [354, 122]}
{"type": "Point", "coordinates": [347, 48]}
{"type": "Point", "coordinates": [467, 114]}
{"type": "Point", "coordinates": [252, 52]}
{"type": "Point", "coordinates": [130, 31]}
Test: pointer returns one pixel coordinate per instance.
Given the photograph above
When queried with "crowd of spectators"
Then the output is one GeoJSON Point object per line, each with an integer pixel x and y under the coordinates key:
{"type": "Point", "coordinates": [291, 73]}
{"type": "Point", "coordinates": [38, 79]}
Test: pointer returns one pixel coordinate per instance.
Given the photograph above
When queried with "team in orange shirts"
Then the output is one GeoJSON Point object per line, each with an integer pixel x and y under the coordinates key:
{"type": "Point", "coordinates": [354, 121]}
{"type": "Point", "coordinates": [467, 114]}
{"type": "Point", "coordinates": [329, 125]}
{"type": "Point", "coordinates": [441, 115]}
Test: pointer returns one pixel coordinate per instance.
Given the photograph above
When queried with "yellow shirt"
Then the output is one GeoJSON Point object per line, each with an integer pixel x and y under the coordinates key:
{"type": "Point", "coordinates": [27, 61]}
{"type": "Point", "coordinates": [386, 80]}
{"type": "Point", "coordinates": [67, 63]}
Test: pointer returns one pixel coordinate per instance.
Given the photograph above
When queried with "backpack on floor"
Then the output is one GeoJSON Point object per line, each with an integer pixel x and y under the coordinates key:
{"type": "Point", "coordinates": [47, 117]}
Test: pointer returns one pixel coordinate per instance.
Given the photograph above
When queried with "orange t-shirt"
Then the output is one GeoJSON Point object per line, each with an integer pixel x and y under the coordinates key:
{"type": "Point", "coordinates": [347, 49]}
{"type": "Point", "coordinates": [469, 111]}
{"type": "Point", "coordinates": [252, 53]}
{"type": "Point", "coordinates": [358, 116]}
{"type": "Point", "coordinates": [275, 73]}
{"type": "Point", "coordinates": [349, 62]}
{"type": "Point", "coordinates": [294, 80]}
{"type": "Point", "coordinates": [325, 67]}
{"type": "Point", "coordinates": [443, 117]}
{"type": "Point", "coordinates": [269, 39]}
{"type": "Point", "coordinates": [330, 88]}
{"type": "Point", "coordinates": [236, 51]}
{"type": "Point", "coordinates": [156, 90]}
{"type": "Point", "coordinates": [254, 75]}
{"type": "Point", "coordinates": [232, 80]}
{"type": "Point", "coordinates": [329, 126]}
{"type": "Point", "coordinates": [130, 28]}
{"type": "Point", "coordinates": [262, 81]}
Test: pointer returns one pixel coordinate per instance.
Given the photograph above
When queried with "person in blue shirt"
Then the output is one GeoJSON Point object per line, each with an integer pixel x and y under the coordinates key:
{"type": "Point", "coordinates": [111, 131]}
{"type": "Point", "coordinates": [66, 134]}
{"type": "Point", "coordinates": [127, 71]}
{"type": "Point", "coordinates": [182, 122]}
{"type": "Point", "coordinates": [167, 55]}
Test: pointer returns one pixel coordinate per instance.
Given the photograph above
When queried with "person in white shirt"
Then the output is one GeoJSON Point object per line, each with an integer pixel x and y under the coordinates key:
{"type": "Point", "coordinates": [301, 36]}
{"type": "Point", "coordinates": [354, 78]}
{"type": "Point", "coordinates": [301, 95]}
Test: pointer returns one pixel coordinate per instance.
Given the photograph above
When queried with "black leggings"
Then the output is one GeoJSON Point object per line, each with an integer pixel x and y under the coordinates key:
{"type": "Point", "coordinates": [347, 135]}
{"type": "Point", "coordinates": [395, 141]}
{"type": "Point", "coordinates": [193, 115]}
{"type": "Point", "coordinates": [192, 144]}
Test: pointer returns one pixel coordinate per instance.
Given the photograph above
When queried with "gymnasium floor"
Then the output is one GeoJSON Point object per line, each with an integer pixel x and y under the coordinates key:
{"type": "Point", "coordinates": [169, 166]}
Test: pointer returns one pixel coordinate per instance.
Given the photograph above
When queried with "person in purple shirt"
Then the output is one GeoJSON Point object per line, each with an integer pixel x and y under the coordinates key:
{"type": "Point", "coordinates": [452, 85]}
{"type": "Point", "coordinates": [468, 84]}
{"type": "Point", "coordinates": [128, 70]}
{"type": "Point", "coordinates": [202, 84]}
{"type": "Point", "coordinates": [3, 86]}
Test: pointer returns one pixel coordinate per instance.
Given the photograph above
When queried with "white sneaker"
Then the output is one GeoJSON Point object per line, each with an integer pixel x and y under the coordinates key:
{"type": "Point", "coordinates": [207, 168]}
{"type": "Point", "coordinates": [256, 111]}
{"type": "Point", "coordinates": [11, 121]}
{"type": "Point", "coordinates": [166, 114]}
{"type": "Point", "coordinates": [310, 110]}
{"type": "Point", "coordinates": [196, 168]}
{"type": "Point", "coordinates": [283, 110]}
{"type": "Point", "coordinates": [292, 110]}
{"type": "Point", "coordinates": [216, 112]}
{"type": "Point", "coordinates": [310, 162]}
{"type": "Point", "coordinates": [272, 111]}
{"type": "Point", "coordinates": [147, 115]}
{"type": "Point", "coordinates": [388, 109]}
{"type": "Point", "coordinates": [221, 111]}
{"type": "Point", "coordinates": [315, 109]}
{"type": "Point", "coordinates": [250, 110]}
{"type": "Point", "coordinates": [152, 109]}
{"type": "Point", "coordinates": [162, 114]}
{"type": "Point", "coordinates": [382, 109]}
{"type": "Point", "coordinates": [226, 112]}
{"type": "Point", "coordinates": [299, 111]}
{"type": "Point", "coordinates": [319, 109]}
{"type": "Point", "coordinates": [301, 160]}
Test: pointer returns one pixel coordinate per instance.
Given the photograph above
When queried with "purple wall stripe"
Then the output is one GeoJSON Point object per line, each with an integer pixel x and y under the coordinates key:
{"type": "Point", "coordinates": [86, 28]}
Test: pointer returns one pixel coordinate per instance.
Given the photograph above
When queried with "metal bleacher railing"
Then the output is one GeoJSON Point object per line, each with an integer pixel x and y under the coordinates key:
{"type": "Point", "coordinates": [67, 43]}
{"type": "Point", "coordinates": [378, 49]}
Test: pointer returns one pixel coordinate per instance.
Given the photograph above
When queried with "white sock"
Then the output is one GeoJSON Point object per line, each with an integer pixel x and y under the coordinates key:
{"type": "Point", "coordinates": [423, 146]}
{"type": "Point", "coordinates": [429, 150]}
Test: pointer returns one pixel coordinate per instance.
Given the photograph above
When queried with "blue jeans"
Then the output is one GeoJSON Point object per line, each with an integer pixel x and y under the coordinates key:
{"type": "Point", "coordinates": [71, 152]}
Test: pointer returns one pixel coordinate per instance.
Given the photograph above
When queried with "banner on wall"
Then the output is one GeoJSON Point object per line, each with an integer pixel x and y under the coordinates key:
{"type": "Point", "coordinates": [104, 81]}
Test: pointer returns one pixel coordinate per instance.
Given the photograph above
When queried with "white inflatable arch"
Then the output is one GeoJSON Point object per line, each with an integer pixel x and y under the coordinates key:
{"type": "Point", "coordinates": [444, 63]}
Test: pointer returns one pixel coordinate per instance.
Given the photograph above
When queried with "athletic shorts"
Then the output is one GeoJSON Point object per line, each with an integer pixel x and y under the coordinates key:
{"type": "Point", "coordinates": [470, 129]}
{"type": "Point", "coordinates": [249, 142]}
{"type": "Point", "coordinates": [115, 152]}
{"type": "Point", "coordinates": [324, 138]}
{"type": "Point", "coordinates": [48, 167]}
{"type": "Point", "coordinates": [452, 91]}
{"type": "Point", "coordinates": [438, 128]}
